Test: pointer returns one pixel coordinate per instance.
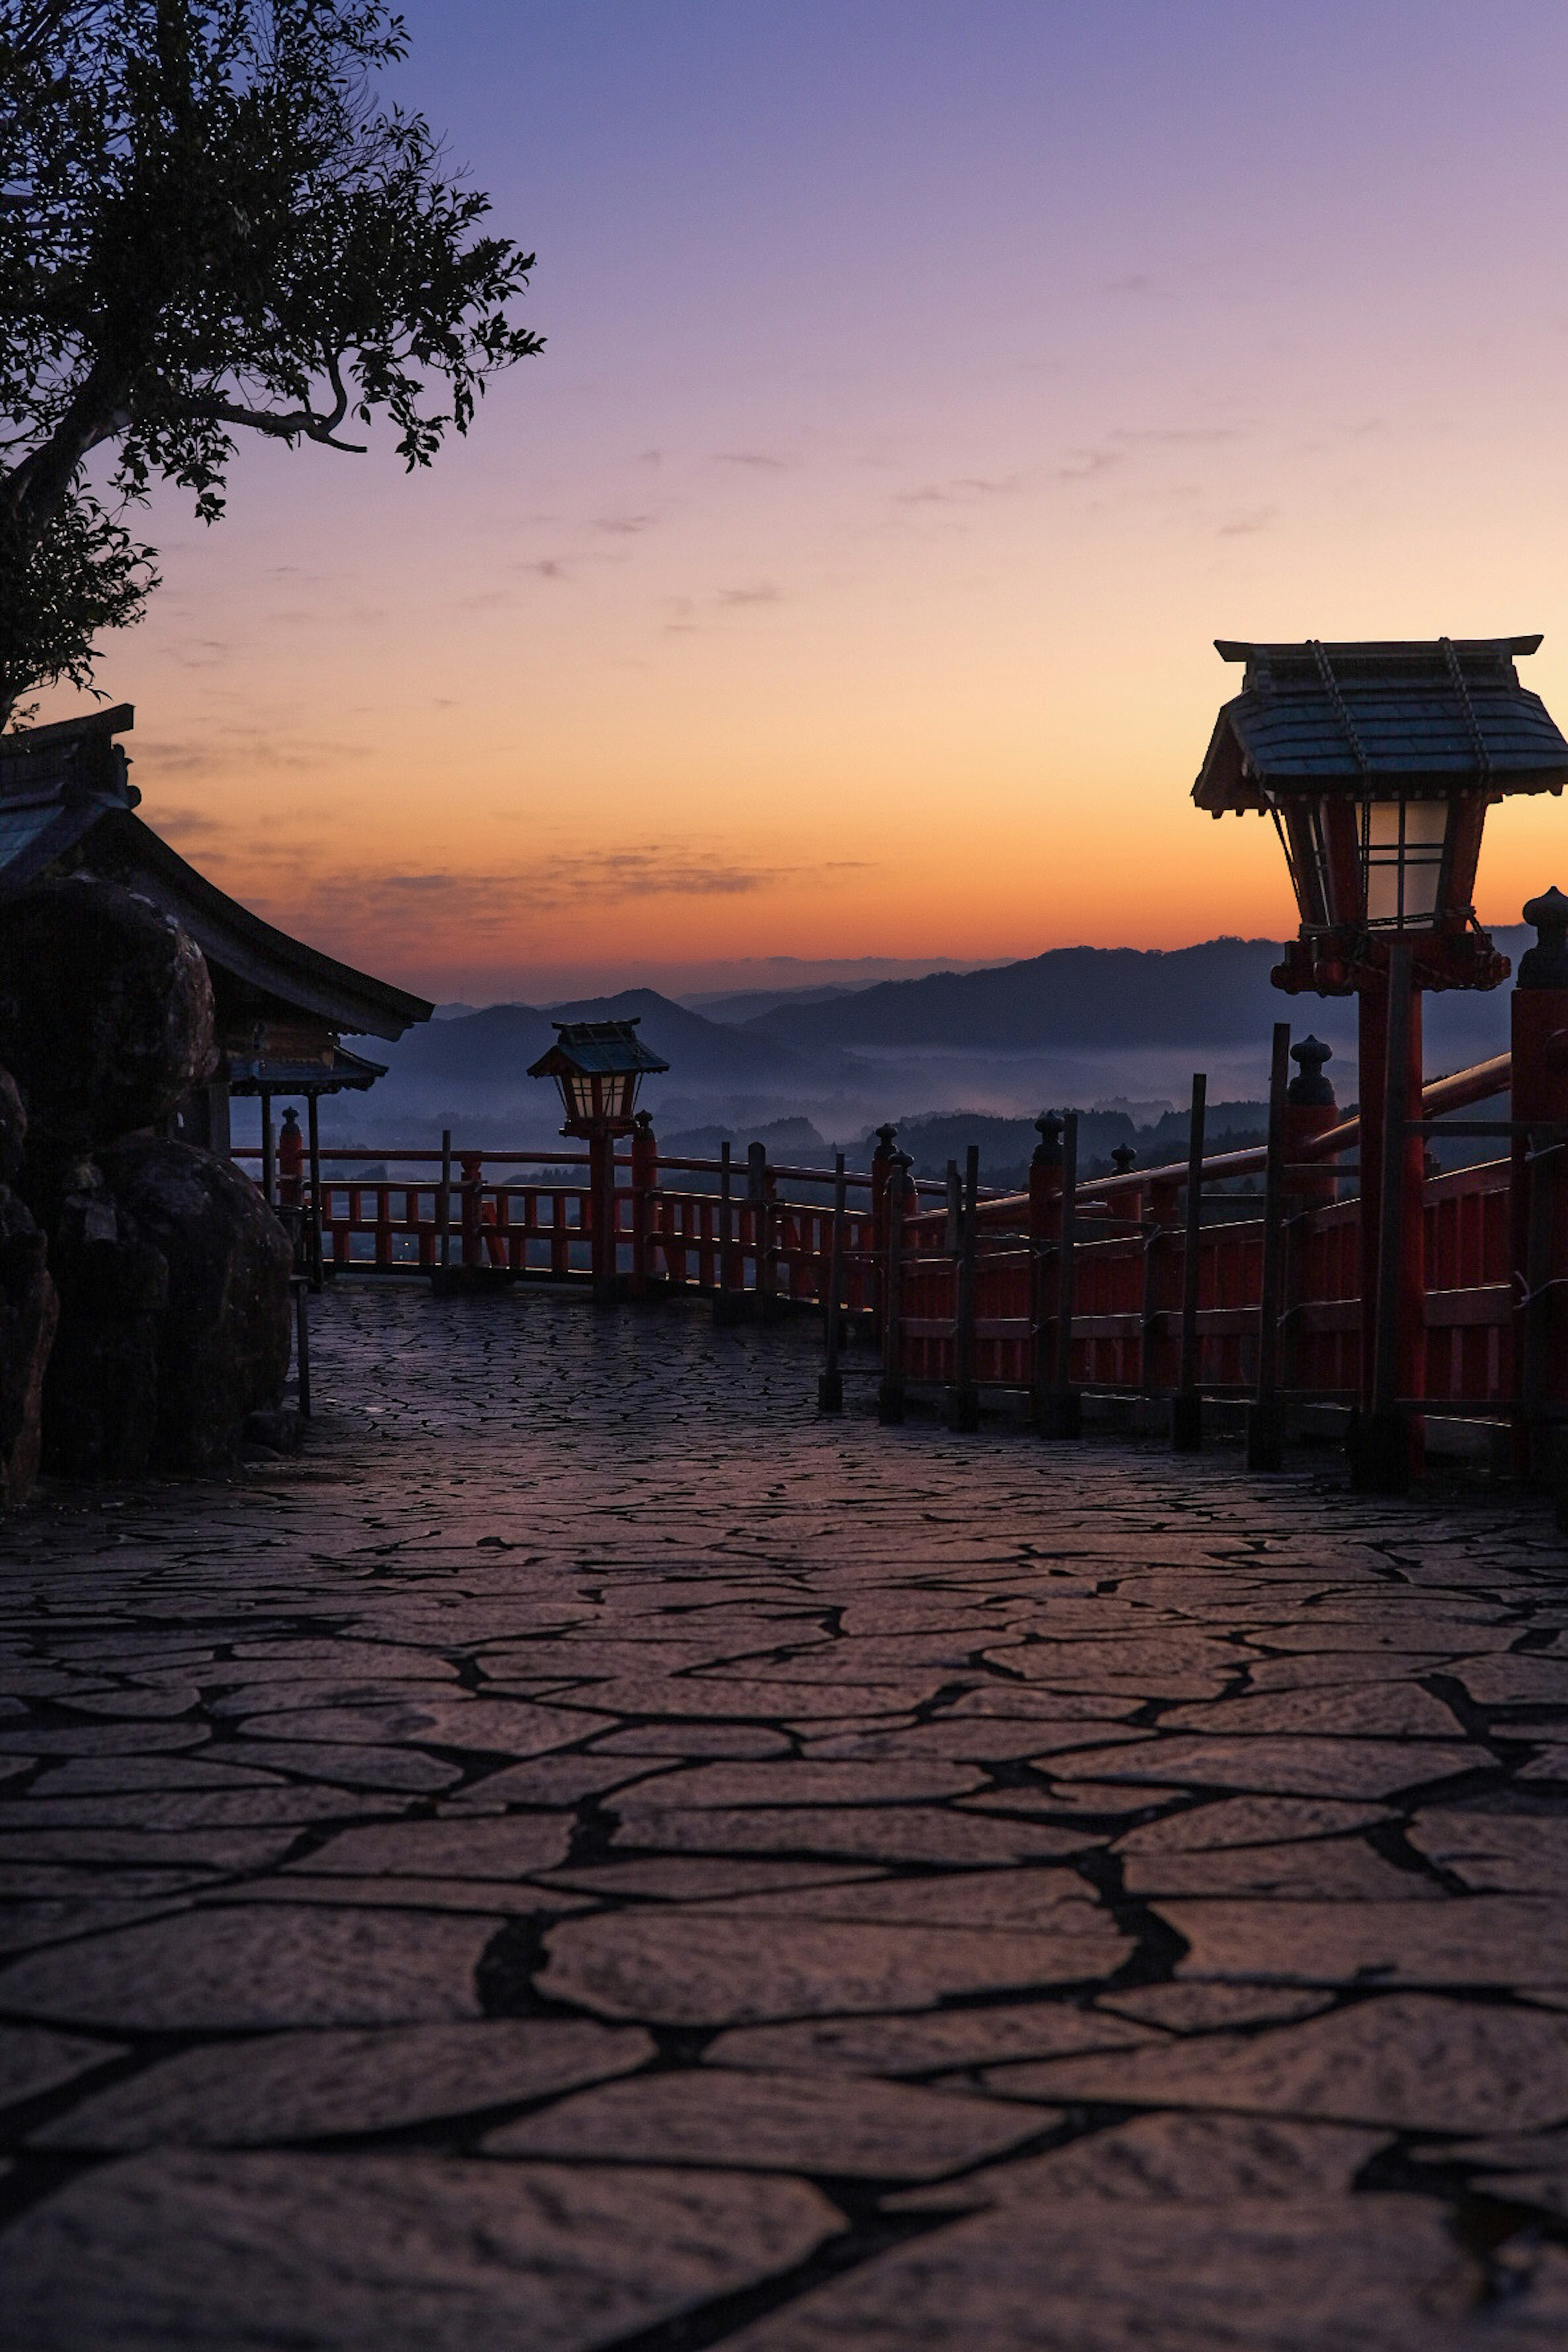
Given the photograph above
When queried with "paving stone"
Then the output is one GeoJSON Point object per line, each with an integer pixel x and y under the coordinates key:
{"type": "Point", "coordinates": [1516, 1679]}
{"type": "Point", "coordinates": [1339, 1868]}
{"type": "Point", "coordinates": [687, 1968]}
{"type": "Point", "coordinates": [1380, 2275]}
{"type": "Point", "coordinates": [389, 2253]}
{"type": "Point", "coordinates": [1198, 2159]}
{"type": "Point", "coordinates": [1248, 1820]}
{"type": "Point", "coordinates": [1303, 1766]}
{"type": "Point", "coordinates": [740, 1742]}
{"type": "Point", "coordinates": [208, 1851]}
{"type": "Point", "coordinates": [102, 1738]}
{"type": "Point", "coordinates": [1200, 2007]}
{"type": "Point", "coordinates": [299, 2086]}
{"type": "Point", "coordinates": [800, 1783]}
{"type": "Point", "coordinates": [1396, 1710]}
{"type": "Point", "coordinates": [948, 2038]}
{"type": "Point", "coordinates": [696, 1878]}
{"type": "Point", "coordinates": [1403, 2061]}
{"type": "Point", "coordinates": [822, 2125]}
{"type": "Point", "coordinates": [507, 1848]}
{"type": "Point", "coordinates": [346, 1764]}
{"type": "Point", "coordinates": [1486, 1939]}
{"type": "Point", "coordinates": [885, 1834]}
{"type": "Point", "coordinates": [559, 1781]}
{"type": "Point", "coordinates": [1054, 1900]}
{"type": "Point", "coordinates": [1512, 1854]}
{"type": "Point", "coordinates": [26, 1925]}
{"type": "Point", "coordinates": [251, 1966]}
{"type": "Point", "coordinates": [211, 1808]}
{"type": "Point", "coordinates": [33, 2060]}
{"type": "Point", "coordinates": [477, 1725]}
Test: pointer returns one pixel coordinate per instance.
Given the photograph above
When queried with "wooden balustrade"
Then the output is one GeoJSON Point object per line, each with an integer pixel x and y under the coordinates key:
{"type": "Point", "coordinates": [981, 1296]}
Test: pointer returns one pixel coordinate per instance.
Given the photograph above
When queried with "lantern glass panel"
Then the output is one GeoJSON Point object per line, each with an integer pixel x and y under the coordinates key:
{"type": "Point", "coordinates": [579, 1091]}
{"type": "Point", "coordinates": [1403, 845]}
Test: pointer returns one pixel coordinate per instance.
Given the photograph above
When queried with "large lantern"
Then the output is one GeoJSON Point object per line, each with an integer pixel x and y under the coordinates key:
{"type": "Point", "coordinates": [1377, 762]}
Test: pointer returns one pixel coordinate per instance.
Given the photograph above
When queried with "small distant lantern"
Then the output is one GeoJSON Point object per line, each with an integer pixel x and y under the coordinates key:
{"type": "Point", "coordinates": [1377, 764]}
{"type": "Point", "coordinates": [598, 1065]}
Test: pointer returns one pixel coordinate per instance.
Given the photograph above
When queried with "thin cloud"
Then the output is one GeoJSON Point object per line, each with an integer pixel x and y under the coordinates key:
{"type": "Point", "coordinates": [497, 899]}
{"type": "Point", "coordinates": [626, 526]}
{"type": "Point", "coordinates": [1243, 526]}
{"type": "Point", "coordinates": [964, 490]}
{"type": "Point", "coordinates": [766, 461]}
{"type": "Point", "coordinates": [763, 594]}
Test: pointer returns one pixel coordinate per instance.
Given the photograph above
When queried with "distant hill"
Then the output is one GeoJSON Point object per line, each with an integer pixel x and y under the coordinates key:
{"type": "Point", "coordinates": [496, 1046]}
{"type": "Point", "coordinates": [1079, 997]}
{"type": "Point", "coordinates": [1086, 999]}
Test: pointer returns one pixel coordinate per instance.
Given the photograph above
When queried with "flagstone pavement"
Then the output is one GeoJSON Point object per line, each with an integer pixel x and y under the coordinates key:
{"type": "Point", "coordinates": [592, 1854]}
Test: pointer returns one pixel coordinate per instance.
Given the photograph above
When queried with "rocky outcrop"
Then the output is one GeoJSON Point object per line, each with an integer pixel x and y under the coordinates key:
{"type": "Point", "coordinates": [106, 1013]}
{"type": "Point", "coordinates": [101, 1392]}
{"type": "Point", "coordinates": [222, 1333]}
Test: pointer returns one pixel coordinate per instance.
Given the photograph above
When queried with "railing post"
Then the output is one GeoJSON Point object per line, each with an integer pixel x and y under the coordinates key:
{"type": "Point", "coordinates": [1385, 1441]}
{"type": "Point", "coordinates": [1062, 1407]}
{"type": "Point", "coordinates": [1265, 1422]}
{"type": "Point", "coordinates": [444, 1198]}
{"type": "Point", "coordinates": [1309, 1112]}
{"type": "Point", "coordinates": [830, 1386]}
{"type": "Point", "coordinates": [601, 1217]}
{"type": "Point", "coordinates": [1045, 1226]}
{"type": "Point", "coordinates": [1538, 1205]}
{"type": "Point", "coordinates": [727, 1303]}
{"type": "Point", "coordinates": [964, 1402]}
{"type": "Point", "coordinates": [314, 1115]}
{"type": "Point", "coordinates": [891, 1394]}
{"type": "Point", "coordinates": [471, 1164]}
{"type": "Point", "coordinates": [1163, 1219]}
{"type": "Point", "coordinates": [644, 1183]}
{"type": "Point", "coordinates": [1187, 1404]}
{"type": "Point", "coordinates": [762, 1227]}
{"type": "Point", "coordinates": [882, 1171]}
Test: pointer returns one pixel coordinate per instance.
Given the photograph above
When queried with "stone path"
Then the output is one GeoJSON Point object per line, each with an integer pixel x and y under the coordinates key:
{"type": "Point", "coordinates": [593, 1856]}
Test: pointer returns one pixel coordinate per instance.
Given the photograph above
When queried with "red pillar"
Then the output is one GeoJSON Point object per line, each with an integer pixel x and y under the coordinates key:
{"type": "Point", "coordinates": [1410, 1364]}
{"type": "Point", "coordinates": [1538, 1192]}
{"type": "Point", "coordinates": [601, 1214]}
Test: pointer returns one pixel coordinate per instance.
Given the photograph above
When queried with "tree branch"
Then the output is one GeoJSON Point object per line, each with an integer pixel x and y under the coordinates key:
{"type": "Point", "coordinates": [285, 425]}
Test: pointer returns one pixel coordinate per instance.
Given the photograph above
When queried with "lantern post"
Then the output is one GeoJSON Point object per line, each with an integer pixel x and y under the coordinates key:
{"type": "Point", "coordinates": [598, 1066]}
{"type": "Point", "coordinates": [1377, 762]}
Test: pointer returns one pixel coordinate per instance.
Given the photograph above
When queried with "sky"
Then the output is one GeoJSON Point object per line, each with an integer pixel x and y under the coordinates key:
{"type": "Point", "coordinates": [928, 384]}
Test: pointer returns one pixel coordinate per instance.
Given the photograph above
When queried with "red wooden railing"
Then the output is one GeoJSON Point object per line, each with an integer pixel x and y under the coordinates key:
{"type": "Point", "coordinates": [1127, 1307]}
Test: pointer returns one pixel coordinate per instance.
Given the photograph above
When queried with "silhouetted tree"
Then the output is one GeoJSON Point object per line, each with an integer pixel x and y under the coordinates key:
{"type": "Point", "coordinates": [208, 226]}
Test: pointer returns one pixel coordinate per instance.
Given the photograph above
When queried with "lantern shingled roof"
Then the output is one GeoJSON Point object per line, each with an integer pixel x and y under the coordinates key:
{"type": "Point", "coordinates": [1433, 717]}
{"type": "Point", "coordinates": [608, 1049]}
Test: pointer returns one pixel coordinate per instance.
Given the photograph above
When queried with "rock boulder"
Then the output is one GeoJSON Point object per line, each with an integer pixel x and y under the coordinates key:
{"type": "Point", "coordinates": [223, 1337]}
{"type": "Point", "coordinates": [106, 1013]}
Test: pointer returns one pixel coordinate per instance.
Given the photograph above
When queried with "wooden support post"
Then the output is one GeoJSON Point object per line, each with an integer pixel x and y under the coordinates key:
{"type": "Point", "coordinates": [1162, 1220]}
{"type": "Point", "coordinates": [1538, 1223]}
{"type": "Point", "coordinates": [757, 1196]}
{"type": "Point", "coordinates": [1265, 1422]}
{"type": "Point", "coordinates": [444, 1198]}
{"type": "Point", "coordinates": [728, 1303]}
{"type": "Point", "coordinates": [963, 1400]}
{"type": "Point", "coordinates": [1061, 1413]}
{"type": "Point", "coordinates": [891, 1394]}
{"type": "Point", "coordinates": [1187, 1404]}
{"type": "Point", "coordinates": [1045, 1224]}
{"type": "Point", "coordinates": [953, 1238]}
{"type": "Point", "coordinates": [1383, 1462]}
{"type": "Point", "coordinates": [302, 1289]}
{"type": "Point", "coordinates": [830, 1386]}
{"type": "Point", "coordinates": [269, 1173]}
{"type": "Point", "coordinates": [313, 1117]}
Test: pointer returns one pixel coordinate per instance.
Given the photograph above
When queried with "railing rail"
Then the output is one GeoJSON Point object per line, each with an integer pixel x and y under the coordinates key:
{"type": "Point", "coordinates": [985, 1300]}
